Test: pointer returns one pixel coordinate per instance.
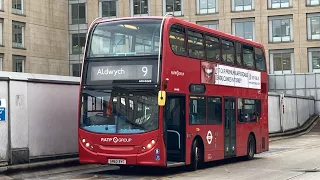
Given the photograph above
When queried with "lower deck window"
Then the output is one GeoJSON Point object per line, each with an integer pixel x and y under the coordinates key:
{"type": "Point", "coordinates": [197, 109]}
{"type": "Point", "coordinates": [249, 110]}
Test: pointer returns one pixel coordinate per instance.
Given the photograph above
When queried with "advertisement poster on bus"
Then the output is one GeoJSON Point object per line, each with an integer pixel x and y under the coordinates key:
{"type": "Point", "coordinates": [213, 73]}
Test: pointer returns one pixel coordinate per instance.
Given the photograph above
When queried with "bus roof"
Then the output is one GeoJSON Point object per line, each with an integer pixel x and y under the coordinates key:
{"type": "Point", "coordinates": [188, 24]}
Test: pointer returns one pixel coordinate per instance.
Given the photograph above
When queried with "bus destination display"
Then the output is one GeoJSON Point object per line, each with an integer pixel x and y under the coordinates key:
{"type": "Point", "coordinates": [143, 73]}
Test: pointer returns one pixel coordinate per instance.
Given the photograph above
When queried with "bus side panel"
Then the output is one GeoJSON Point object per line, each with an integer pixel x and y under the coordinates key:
{"type": "Point", "coordinates": [179, 78]}
{"type": "Point", "coordinates": [214, 150]}
{"type": "Point", "coordinates": [243, 131]}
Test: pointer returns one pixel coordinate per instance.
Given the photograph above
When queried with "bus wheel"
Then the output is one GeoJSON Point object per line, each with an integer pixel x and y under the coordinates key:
{"type": "Point", "coordinates": [196, 156]}
{"type": "Point", "coordinates": [250, 148]}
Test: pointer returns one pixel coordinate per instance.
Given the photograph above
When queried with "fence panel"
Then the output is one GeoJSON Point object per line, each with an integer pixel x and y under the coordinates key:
{"type": "Point", "coordinates": [290, 119]}
{"type": "Point", "coordinates": [274, 113]}
{"type": "Point", "coordinates": [4, 122]}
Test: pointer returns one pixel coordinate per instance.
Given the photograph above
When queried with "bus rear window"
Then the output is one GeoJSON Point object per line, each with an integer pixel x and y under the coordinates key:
{"type": "Point", "coordinates": [125, 38]}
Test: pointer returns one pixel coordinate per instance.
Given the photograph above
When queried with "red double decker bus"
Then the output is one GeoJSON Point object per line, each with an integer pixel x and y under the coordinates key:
{"type": "Point", "coordinates": [160, 91]}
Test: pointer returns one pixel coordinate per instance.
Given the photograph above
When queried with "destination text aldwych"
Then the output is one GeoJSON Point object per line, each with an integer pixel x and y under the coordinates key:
{"type": "Point", "coordinates": [113, 72]}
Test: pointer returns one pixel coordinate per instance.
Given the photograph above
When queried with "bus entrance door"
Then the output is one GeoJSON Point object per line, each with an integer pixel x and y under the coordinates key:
{"type": "Point", "coordinates": [175, 128]}
{"type": "Point", "coordinates": [229, 127]}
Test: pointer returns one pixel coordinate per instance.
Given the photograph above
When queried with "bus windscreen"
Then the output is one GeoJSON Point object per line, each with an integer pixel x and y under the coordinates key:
{"type": "Point", "coordinates": [116, 112]}
{"type": "Point", "coordinates": [125, 38]}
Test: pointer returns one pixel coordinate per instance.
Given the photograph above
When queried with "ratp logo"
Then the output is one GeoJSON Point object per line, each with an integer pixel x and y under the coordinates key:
{"type": "Point", "coordinates": [115, 139]}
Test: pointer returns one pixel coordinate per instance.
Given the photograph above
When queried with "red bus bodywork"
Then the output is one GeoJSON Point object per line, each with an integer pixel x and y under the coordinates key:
{"type": "Point", "coordinates": [180, 72]}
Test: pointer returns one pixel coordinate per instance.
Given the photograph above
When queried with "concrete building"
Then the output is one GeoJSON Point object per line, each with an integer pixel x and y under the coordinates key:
{"type": "Point", "coordinates": [48, 36]}
{"type": "Point", "coordinates": [289, 29]}
{"type": "Point", "coordinates": [34, 36]}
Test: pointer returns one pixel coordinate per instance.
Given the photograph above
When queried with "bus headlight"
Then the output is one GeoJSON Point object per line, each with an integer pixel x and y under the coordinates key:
{"type": "Point", "coordinates": [147, 145]}
{"type": "Point", "coordinates": [87, 144]}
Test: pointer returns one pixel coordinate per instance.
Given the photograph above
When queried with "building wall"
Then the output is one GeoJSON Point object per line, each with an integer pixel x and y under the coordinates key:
{"type": "Point", "coordinates": [45, 49]}
{"type": "Point", "coordinates": [304, 84]}
{"type": "Point", "coordinates": [260, 13]}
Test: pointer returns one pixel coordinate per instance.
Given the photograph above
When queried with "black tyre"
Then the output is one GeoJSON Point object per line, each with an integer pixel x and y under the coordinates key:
{"type": "Point", "coordinates": [196, 156]}
{"type": "Point", "coordinates": [251, 148]}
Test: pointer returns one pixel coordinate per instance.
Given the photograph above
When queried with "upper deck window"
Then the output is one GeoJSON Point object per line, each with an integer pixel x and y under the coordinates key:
{"type": "Point", "coordinates": [125, 38]}
{"type": "Point", "coordinates": [227, 51]}
{"type": "Point", "coordinates": [178, 40]}
{"type": "Point", "coordinates": [213, 48]}
{"type": "Point", "coordinates": [260, 60]}
{"type": "Point", "coordinates": [196, 45]}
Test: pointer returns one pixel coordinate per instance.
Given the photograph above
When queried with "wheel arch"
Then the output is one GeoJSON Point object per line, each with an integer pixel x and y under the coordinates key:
{"type": "Point", "coordinates": [198, 138]}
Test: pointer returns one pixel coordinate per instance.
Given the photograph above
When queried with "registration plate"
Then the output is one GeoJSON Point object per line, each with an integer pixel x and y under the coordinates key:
{"type": "Point", "coordinates": [117, 161]}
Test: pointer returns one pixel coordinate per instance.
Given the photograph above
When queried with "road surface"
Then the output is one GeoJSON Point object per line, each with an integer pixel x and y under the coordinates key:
{"type": "Point", "coordinates": [288, 159]}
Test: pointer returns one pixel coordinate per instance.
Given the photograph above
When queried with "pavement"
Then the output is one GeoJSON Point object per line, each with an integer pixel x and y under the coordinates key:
{"type": "Point", "coordinates": [293, 157]}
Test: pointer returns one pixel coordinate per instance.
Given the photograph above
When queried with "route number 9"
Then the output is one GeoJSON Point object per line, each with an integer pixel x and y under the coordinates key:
{"type": "Point", "coordinates": [145, 70]}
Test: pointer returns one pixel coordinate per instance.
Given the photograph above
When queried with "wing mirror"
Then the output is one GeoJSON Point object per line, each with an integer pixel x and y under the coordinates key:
{"type": "Point", "coordinates": [161, 98]}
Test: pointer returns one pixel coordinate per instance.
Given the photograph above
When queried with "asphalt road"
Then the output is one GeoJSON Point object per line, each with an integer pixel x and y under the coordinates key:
{"type": "Point", "coordinates": [289, 159]}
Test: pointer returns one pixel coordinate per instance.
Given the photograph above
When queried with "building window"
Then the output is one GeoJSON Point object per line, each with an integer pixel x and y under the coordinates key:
{"type": "Point", "coordinates": [173, 6]}
{"type": "Point", "coordinates": [18, 34]}
{"type": "Point", "coordinates": [139, 7]}
{"type": "Point", "coordinates": [18, 63]}
{"type": "Point", "coordinates": [78, 12]}
{"type": "Point", "coordinates": [1, 34]}
{"type": "Point", "coordinates": [277, 4]}
{"type": "Point", "coordinates": [244, 28]}
{"type": "Point", "coordinates": [210, 24]}
{"type": "Point", "coordinates": [313, 25]}
{"type": "Point", "coordinates": [313, 2]}
{"type": "Point", "coordinates": [242, 5]}
{"type": "Point", "coordinates": [75, 69]}
{"type": "Point", "coordinates": [78, 42]}
{"type": "Point", "coordinates": [197, 110]}
{"type": "Point", "coordinates": [17, 6]}
{"type": "Point", "coordinates": [281, 61]}
{"type": "Point", "coordinates": [108, 8]}
{"type": "Point", "coordinates": [314, 59]}
{"type": "Point", "coordinates": [280, 29]}
{"type": "Point", "coordinates": [1, 62]}
{"type": "Point", "coordinates": [207, 6]}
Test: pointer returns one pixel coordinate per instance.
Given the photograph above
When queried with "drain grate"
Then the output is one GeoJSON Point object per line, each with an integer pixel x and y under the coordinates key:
{"type": "Point", "coordinates": [307, 170]}
{"type": "Point", "coordinates": [273, 150]}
